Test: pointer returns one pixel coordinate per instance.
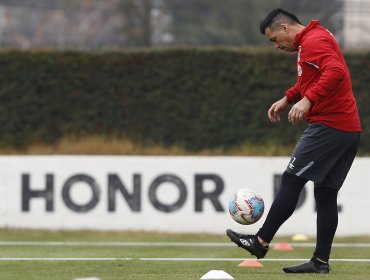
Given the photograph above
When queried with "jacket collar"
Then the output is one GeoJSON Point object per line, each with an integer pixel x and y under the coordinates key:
{"type": "Point", "coordinates": [298, 38]}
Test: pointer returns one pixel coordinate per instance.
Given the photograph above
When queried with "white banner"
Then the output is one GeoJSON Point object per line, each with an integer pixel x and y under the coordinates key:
{"type": "Point", "coordinates": [167, 194]}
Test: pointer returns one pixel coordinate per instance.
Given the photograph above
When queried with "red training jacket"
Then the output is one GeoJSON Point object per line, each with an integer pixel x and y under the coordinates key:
{"type": "Point", "coordinates": [323, 77]}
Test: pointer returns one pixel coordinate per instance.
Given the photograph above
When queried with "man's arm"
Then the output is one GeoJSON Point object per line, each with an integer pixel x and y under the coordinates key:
{"type": "Point", "coordinates": [293, 95]}
{"type": "Point", "coordinates": [322, 54]}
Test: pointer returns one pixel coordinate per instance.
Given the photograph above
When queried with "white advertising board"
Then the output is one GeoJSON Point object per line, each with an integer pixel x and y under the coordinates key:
{"type": "Point", "coordinates": [166, 194]}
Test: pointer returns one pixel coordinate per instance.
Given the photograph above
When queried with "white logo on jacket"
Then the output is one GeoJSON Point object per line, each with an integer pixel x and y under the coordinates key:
{"type": "Point", "coordinates": [299, 68]}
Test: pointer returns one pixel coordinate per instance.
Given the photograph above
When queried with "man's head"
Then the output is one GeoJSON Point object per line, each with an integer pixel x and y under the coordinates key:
{"type": "Point", "coordinates": [281, 27]}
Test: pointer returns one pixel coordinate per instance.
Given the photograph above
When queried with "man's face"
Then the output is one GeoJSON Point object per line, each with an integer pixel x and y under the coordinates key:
{"type": "Point", "coordinates": [281, 37]}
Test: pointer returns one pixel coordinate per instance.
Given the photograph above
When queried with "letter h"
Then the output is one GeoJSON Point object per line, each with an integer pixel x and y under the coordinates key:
{"type": "Point", "coordinates": [28, 194]}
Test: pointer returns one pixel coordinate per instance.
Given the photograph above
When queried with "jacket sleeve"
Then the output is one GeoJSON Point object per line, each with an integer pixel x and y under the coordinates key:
{"type": "Point", "coordinates": [324, 55]}
{"type": "Point", "coordinates": [293, 94]}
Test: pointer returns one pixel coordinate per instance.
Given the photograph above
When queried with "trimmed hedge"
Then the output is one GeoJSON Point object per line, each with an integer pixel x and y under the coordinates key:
{"type": "Point", "coordinates": [193, 98]}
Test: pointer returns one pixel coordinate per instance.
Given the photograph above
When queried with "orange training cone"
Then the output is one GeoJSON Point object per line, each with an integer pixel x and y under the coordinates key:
{"type": "Point", "coordinates": [283, 247]}
{"type": "Point", "coordinates": [251, 263]}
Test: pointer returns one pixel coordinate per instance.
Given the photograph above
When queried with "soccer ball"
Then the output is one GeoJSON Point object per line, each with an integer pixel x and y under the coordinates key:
{"type": "Point", "coordinates": [246, 207]}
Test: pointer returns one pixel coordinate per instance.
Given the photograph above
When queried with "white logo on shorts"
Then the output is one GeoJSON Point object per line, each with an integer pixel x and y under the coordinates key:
{"type": "Point", "coordinates": [291, 165]}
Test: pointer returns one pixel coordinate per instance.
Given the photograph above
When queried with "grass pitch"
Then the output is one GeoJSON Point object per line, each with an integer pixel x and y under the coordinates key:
{"type": "Point", "coordinates": [134, 255]}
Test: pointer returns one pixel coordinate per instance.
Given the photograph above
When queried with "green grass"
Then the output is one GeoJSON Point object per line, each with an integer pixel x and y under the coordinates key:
{"type": "Point", "coordinates": [158, 270]}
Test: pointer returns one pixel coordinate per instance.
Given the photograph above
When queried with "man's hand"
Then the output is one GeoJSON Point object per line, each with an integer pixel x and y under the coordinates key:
{"type": "Point", "coordinates": [276, 109]}
{"type": "Point", "coordinates": [297, 112]}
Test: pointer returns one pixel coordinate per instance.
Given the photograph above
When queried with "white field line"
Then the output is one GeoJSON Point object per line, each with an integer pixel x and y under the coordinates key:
{"type": "Point", "coordinates": [162, 244]}
{"type": "Point", "coordinates": [173, 259]}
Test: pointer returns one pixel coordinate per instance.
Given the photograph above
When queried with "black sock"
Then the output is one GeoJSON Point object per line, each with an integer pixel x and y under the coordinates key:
{"type": "Point", "coordinates": [318, 261]}
{"type": "Point", "coordinates": [264, 246]}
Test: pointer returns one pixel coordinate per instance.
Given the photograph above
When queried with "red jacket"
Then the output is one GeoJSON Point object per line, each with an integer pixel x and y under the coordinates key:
{"type": "Point", "coordinates": [323, 77]}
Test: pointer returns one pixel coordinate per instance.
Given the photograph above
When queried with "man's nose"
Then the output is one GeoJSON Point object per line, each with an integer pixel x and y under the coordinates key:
{"type": "Point", "coordinates": [276, 45]}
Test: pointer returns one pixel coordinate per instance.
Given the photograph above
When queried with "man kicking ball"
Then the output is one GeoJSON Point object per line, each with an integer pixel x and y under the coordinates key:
{"type": "Point", "coordinates": [324, 154]}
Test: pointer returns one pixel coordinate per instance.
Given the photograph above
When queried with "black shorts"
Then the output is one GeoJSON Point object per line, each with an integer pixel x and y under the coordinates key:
{"type": "Point", "coordinates": [324, 155]}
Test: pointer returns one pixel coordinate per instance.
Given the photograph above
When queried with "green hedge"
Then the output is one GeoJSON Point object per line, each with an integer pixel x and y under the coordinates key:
{"type": "Point", "coordinates": [193, 98]}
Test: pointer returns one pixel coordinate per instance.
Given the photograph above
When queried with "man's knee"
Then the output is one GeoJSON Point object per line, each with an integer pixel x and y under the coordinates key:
{"type": "Point", "coordinates": [290, 180]}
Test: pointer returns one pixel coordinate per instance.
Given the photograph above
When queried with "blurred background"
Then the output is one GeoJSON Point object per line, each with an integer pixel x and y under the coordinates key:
{"type": "Point", "coordinates": [94, 24]}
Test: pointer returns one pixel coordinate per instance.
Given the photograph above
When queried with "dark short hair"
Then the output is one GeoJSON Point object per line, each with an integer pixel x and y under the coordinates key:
{"type": "Point", "coordinates": [275, 15]}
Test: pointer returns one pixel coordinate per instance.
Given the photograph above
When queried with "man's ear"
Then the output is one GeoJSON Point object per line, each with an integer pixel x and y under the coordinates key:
{"type": "Point", "coordinates": [285, 28]}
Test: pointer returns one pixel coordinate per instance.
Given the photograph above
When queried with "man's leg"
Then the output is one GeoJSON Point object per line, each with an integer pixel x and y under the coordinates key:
{"type": "Point", "coordinates": [326, 194]}
{"type": "Point", "coordinates": [283, 206]}
{"type": "Point", "coordinates": [327, 221]}
{"type": "Point", "coordinates": [281, 209]}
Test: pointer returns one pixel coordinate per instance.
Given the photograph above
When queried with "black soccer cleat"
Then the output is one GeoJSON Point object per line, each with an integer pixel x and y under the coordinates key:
{"type": "Point", "coordinates": [248, 242]}
{"type": "Point", "coordinates": [308, 267]}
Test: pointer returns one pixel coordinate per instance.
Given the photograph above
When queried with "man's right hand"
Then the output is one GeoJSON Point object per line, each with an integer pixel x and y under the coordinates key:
{"type": "Point", "coordinates": [276, 109]}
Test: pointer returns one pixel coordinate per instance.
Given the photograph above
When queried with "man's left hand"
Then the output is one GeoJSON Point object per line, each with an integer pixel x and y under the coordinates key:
{"type": "Point", "coordinates": [296, 113]}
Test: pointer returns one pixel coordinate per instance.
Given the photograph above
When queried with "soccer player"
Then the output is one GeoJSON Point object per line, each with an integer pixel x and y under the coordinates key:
{"type": "Point", "coordinates": [324, 154]}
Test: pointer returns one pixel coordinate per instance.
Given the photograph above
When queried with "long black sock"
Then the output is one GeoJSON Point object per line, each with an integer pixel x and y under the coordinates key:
{"type": "Point", "coordinates": [283, 206]}
{"type": "Point", "coordinates": [327, 221]}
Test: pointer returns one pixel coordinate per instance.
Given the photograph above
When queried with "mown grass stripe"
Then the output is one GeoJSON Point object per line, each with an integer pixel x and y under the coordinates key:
{"type": "Point", "coordinates": [161, 244]}
{"type": "Point", "coordinates": [172, 259]}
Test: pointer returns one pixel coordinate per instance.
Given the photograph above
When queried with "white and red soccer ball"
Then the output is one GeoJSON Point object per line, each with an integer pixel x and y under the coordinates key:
{"type": "Point", "coordinates": [246, 207]}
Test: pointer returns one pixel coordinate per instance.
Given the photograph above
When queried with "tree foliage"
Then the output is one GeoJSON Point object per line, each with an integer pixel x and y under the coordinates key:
{"type": "Point", "coordinates": [231, 22]}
